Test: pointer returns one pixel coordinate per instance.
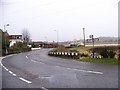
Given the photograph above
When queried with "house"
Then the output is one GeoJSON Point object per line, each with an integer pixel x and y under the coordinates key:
{"type": "Point", "coordinates": [15, 38]}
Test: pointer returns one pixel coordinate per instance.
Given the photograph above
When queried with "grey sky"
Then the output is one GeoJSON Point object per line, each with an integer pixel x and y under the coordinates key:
{"type": "Point", "coordinates": [42, 17]}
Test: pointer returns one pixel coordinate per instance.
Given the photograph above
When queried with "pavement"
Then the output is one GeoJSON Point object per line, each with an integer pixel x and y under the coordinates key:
{"type": "Point", "coordinates": [36, 69]}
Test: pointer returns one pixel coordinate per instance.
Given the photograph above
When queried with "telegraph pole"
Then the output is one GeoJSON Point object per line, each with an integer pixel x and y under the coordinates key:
{"type": "Point", "coordinates": [84, 35]}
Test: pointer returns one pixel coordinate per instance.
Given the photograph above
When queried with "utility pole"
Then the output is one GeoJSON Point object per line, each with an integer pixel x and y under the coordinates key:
{"type": "Point", "coordinates": [84, 35]}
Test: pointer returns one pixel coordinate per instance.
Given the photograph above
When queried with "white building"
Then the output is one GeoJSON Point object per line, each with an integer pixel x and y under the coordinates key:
{"type": "Point", "coordinates": [15, 38]}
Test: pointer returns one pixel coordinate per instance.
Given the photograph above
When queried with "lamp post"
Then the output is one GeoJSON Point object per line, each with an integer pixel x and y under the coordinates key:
{"type": "Point", "coordinates": [84, 35]}
{"type": "Point", "coordinates": [6, 51]}
{"type": "Point", "coordinates": [57, 37]}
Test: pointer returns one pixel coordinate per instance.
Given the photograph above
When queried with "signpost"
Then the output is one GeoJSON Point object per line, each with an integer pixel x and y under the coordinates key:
{"type": "Point", "coordinates": [93, 40]}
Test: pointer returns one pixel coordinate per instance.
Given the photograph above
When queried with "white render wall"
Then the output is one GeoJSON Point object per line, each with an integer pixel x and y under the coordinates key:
{"type": "Point", "coordinates": [12, 42]}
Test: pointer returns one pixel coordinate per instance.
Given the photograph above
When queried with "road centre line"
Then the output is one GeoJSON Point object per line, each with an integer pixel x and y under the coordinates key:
{"type": "Point", "coordinates": [89, 71]}
{"type": "Point", "coordinates": [37, 61]}
{"type": "Point", "coordinates": [95, 72]}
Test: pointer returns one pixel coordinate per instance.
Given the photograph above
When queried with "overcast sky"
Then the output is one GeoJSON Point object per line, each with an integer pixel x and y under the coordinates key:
{"type": "Point", "coordinates": [42, 17]}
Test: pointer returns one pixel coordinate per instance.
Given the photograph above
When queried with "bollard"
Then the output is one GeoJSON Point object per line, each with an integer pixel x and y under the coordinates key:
{"type": "Point", "coordinates": [65, 53]}
{"type": "Point", "coordinates": [68, 54]}
{"type": "Point", "coordinates": [57, 53]}
{"type": "Point", "coordinates": [62, 53]}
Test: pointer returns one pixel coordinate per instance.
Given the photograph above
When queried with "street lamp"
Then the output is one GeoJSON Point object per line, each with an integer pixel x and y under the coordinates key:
{"type": "Point", "coordinates": [84, 35]}
{"type": "Point", "coordinates": [6, 51]}
{"type": "Point", "coordinates": [57, 37]}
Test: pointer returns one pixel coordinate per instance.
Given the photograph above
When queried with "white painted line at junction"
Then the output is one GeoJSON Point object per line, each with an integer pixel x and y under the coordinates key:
{"type": "Point", "coordinates": [24, 80]}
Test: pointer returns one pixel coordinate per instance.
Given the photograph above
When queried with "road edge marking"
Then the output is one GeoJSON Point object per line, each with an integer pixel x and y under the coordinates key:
{"type": "Point", "coordinates": [25, 80]}
{"type": "Point", "coordinates": [11, 71]}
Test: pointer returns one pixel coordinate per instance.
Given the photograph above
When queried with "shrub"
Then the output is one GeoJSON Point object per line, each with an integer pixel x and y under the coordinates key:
{"type": "Point", "coordinates": [104, 53]}
{"type": "Point", "coordinates": [83, 55]}
{"type": "Point", "coordinates": [111, 54]}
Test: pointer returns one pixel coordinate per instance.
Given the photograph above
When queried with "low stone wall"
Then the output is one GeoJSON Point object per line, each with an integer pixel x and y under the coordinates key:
{"type": "Point", "coordinates": [75, 55]}
{"type": "Point", "coordinates": [35, 49]}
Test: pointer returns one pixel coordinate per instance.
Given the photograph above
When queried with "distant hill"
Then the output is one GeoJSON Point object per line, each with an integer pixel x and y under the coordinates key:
{"type": "Point", "coordinates": [108, 39]}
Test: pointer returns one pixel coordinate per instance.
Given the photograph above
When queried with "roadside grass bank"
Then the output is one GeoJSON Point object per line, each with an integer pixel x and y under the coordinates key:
{"type": "Point", "coordinates": [97, 60]}
{"type": "Point", "coordinates": [104, 55]}
{"type": "Point", "coordinates": [92, 60]}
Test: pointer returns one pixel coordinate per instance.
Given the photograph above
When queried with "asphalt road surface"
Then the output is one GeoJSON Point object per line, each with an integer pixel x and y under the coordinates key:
{"type": "Point", "coordinates": [36, 69]}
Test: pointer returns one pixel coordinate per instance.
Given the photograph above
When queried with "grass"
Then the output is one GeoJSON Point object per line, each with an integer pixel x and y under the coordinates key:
{"type": "Point", "coordinates": [103, 43]}
{"type": "Point", "coordinates": [93, 60]}
{"type": "Point", "coordinates": [103, 60]}
{"type": "Point", "coordinates": [88, 59]}
{"type": "Point", "coordinates": [81, 49]}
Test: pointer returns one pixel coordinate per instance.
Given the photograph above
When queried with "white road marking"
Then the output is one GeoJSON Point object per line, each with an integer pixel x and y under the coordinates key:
{"type": "Point", "coordinates": [89, 71]}
{"type": "Point", "coordinates": [24, 80]}
{"type": "Point", "coordinates": [33, 61]}
{"type": "Point", "coordinates": [96, 72]}
{"type": "Point", "coordinates": [46, 77]}
{"type": "Point", "coordinates": [10, 72]}
{"type": "Point", "coordinates": [57, 66]}
{"type": "Point", "coordinates": [14, 74]}
{"type": "Point", "coordinates": [37, 61]}
{"type": "Point", "coordinates": [44, 88]}
{"type": "Point", "coordinates": [27, 57]}
{"type": "Point", "coordinates": [5, 68]}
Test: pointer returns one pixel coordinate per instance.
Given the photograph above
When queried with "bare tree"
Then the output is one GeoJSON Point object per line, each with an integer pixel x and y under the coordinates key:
{"type": "Point", "coordinates": [26, 35]}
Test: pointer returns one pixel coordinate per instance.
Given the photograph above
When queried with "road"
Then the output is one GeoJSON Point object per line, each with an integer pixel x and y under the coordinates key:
{"type": "Point", "coordinates": [36, 69]}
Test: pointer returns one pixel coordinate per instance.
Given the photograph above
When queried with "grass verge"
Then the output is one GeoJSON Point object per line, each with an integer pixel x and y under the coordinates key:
{"type": "Point", "coordinates": [103, 60]}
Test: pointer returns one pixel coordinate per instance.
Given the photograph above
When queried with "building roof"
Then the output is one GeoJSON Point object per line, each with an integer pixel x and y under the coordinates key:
{"type": "Point", "coordinates": [15, 36]}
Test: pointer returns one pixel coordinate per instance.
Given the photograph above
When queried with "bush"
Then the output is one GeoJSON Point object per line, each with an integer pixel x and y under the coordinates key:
{"type": "Point", "coordinates": [111, 54]}
{"type": "Point", "coordinates": [83, 55]}
{"type": "Point", "coordinates": [19, 47]}
{"type": "Point", "coordinates": [104, 53]}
